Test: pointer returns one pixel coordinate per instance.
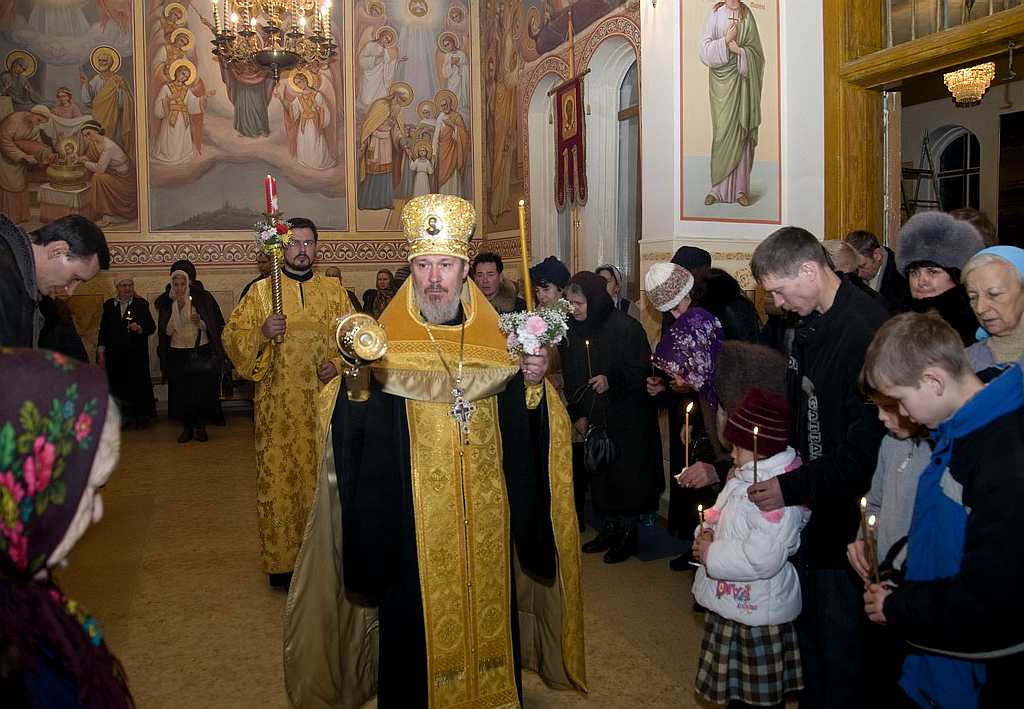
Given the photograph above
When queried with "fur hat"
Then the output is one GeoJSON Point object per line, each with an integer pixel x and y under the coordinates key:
{"type": "Point", "coordinates": [743, 366]}
{"type": "Point", "coordinates": [667, 284]}
{"type": "Point", "coordinates": [939, 238]}
{"type": "Point", "coordinates": [550, 270]}
{"type": "Point", "coordinates": [766, 410]}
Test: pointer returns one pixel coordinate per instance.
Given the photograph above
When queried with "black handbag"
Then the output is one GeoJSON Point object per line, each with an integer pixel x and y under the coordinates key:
{"type": "Point", "coordinates": [199, 363]}
{"type": "Point", "coordinates": [598, 447]}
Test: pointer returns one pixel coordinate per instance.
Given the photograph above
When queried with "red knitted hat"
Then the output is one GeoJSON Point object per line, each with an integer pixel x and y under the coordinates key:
{"type": "Point", "coordinates": [769, 411]}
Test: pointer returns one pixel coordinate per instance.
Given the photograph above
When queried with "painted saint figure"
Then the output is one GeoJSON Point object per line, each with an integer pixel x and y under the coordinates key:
{"type": "Point", "coordinates": [14, 80]}
{"type": "Point", "coordinates": [451, 145]}
{"type": "Point", "coordinates": [509, 74]}
{"type": "Point", "coordinates": [423, 168]}
{"type": "Point", "coordinates": [378, 61]}
{"type": "Point", "coordinates": [731, 49]}
{"type": "Point", "coordinates": [108, 97]}
{"type": "Point", "coordinates": [114, 197]}
{"type": "Point", "coordinates": [66, 106]}
{"type": "Point", "coordinates": [180, 112]}
{"type": "Point", "coordinates": [379, 156]}
{"type": "Point", "coordinates": [454, 70]}
{"type": "Point", "coordinates": [21, 147]}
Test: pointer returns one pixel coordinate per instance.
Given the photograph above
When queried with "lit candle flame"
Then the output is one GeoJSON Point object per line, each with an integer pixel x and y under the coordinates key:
{"type": "Point", "coordinates": [689, 407]}
{"type": "Point", "coordinates": [755, 430]}
{"type": "Point", "coordinates": [863, 503]}
{"type": "Point", "coordinates": [871, 521]}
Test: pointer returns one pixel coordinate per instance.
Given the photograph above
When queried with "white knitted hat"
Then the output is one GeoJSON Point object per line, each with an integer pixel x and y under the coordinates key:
{"type": "Point", "coordinates": [667, 284]}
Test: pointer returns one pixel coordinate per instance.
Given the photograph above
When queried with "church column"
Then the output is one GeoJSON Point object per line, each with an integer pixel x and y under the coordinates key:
{"type": "Point", "coordinates": [853, 122]}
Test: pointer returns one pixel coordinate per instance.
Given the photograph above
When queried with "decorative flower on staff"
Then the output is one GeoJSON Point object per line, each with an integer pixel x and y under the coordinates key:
{"type": "Point", "coordinates": [271, 233]}
{"type": "Point", "coordinates": [529, 331]}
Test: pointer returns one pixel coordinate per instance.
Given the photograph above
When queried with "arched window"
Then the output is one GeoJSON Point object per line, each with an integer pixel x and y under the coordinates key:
{"type": "Point", "coordinates": [959, 169]}
{"type": "Point", "coordinates": [628, 217]}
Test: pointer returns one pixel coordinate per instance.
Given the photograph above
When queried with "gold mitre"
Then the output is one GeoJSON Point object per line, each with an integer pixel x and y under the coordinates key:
{"type": "Point", "coordinates": [438, 225]}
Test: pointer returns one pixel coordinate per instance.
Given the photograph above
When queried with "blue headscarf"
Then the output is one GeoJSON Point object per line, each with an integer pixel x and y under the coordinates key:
{"type": "Point", "coordinates": [1011, 254]}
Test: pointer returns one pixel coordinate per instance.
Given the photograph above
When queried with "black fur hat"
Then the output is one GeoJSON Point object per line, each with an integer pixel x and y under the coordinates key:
{"type": "Point", "coordinates": [939, 238]}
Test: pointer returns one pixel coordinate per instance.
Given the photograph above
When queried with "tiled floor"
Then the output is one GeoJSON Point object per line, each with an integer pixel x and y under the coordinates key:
{"type": "Point", "coordinates": [173, 575]}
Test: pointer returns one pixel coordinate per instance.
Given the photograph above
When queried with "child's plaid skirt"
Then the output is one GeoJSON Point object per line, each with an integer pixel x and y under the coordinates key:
{"type": "Point", "coordinates": [756, 664]}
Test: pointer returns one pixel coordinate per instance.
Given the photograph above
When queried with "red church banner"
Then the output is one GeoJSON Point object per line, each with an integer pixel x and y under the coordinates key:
{"type": "Point", "coordinates": [570, 144]}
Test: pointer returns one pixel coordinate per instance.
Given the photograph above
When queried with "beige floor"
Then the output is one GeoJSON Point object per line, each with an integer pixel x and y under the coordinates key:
{"type": "Point", "coordinates": [173, 575]}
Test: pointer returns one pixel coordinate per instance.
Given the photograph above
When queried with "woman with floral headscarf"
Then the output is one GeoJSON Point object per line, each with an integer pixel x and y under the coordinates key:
{"type": "Point", "coordinates": [59, 441]}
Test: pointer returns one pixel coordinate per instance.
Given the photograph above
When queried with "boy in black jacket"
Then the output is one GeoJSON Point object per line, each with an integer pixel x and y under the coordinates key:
{"type": "Point", "coordinates": [837, 433]}
{"type": "Point", "coordinates": [957, 601]}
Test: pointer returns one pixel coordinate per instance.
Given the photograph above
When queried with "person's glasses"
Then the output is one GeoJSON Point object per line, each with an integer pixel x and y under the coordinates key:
{"type": "Point", "coordinates": [307, 244]}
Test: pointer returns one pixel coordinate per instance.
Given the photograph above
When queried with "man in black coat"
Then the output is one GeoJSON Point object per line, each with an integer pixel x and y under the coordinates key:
{"type": "Point", "coordinates": [877, 268]}
{"type": "Point", "coordinates": [837, 433]}
{"type": "Point", "coordinates": [125, 329]}
{"type": "Point", "coordinates": [53, 260]}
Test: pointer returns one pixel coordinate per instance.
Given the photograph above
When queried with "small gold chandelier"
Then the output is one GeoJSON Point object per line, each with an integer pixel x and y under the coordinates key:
{"type": "Point", "coordinates": [274, 34]}
{"type": "Point", "coordinates": [969, 85]}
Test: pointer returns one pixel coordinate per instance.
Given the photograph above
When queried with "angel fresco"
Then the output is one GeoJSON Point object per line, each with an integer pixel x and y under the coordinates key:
{"type": "Point", "coordinates": [308, 118]}
{"type": "Point", "coordinates": [180, 113]}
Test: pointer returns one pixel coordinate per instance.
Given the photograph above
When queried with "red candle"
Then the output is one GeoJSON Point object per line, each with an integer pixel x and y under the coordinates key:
{"type": "Point", "coordinates": [270, 190]}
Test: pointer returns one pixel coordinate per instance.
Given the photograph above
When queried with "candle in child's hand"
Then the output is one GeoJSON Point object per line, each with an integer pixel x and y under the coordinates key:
{"type": "Point", "coordinates": [755, 454]}
{"type": "Point", "coordinates": [871, 548]}
{"type": "Point", "coordinates": [864, 518]}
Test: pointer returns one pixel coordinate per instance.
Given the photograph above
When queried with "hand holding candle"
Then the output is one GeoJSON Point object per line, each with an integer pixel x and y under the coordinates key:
{"type": "Point", "coordinates": [871, 548]}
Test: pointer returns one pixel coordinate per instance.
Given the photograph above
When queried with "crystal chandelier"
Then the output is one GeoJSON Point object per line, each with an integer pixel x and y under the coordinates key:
{"type": "Point", "coordinates": [969, 85]}
{"type": "Point", "coordinates": [274, 34]}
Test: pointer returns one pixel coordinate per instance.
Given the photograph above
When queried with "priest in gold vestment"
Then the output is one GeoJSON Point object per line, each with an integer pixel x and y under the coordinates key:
{"type": "Point", "coordinates": [289, 379]}
{"type": "Point", "coordinates": [441, 554]}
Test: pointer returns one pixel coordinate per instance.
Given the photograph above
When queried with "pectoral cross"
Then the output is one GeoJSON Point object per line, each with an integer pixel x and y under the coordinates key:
{"type": "Point", "coordinates": [462, 411]}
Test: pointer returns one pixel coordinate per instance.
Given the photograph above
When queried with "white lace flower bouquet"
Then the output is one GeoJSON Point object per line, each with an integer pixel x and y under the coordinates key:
{"type": "Point", "coordinates": [528, 332]}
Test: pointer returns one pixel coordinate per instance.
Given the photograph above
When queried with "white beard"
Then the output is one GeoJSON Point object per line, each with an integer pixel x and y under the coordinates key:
{"type": "Point", "coordinates": [437, 313]}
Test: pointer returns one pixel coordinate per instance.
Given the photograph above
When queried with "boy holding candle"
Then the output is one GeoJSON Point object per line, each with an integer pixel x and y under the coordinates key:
{"type": "Point", "coordinates": [750, 654]}
{"type": "Point", "coordinates": [956, 604]}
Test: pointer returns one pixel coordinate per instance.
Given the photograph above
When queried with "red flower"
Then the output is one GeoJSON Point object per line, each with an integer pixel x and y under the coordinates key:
{"type": "Point", "coordinates": [83, 426]}
{"type": "Point", "coordinates": [39, 467]}
{"type": "Point", "coordinates": [281, 228]}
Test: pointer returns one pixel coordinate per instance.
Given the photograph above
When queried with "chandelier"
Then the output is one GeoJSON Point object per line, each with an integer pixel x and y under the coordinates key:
{"type": "Point", "coordinates": [277, 35]}
{"type": "Point", "coordinates": [969, 85]}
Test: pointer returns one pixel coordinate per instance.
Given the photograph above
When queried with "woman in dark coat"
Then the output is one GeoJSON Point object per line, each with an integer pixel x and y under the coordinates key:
{"type": "Point", "coordinates": [206, 305]}
{"type": "Point", "coordinates": [605, 361]}
{"type": "Point", "coordinates": [125, 329]}
{"type": "Point", "coordinates": [933, 249]}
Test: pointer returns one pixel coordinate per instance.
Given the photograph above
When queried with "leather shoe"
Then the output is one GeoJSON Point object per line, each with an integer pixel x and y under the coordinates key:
{"type": "Point", "coordinates": [186, 436]}
{"type": "Point", "coordinates": [201, 434]}
{"type": "Point", "coordinates": [603, 541]}
{"type": "Point", "coordinates": [626, 546]}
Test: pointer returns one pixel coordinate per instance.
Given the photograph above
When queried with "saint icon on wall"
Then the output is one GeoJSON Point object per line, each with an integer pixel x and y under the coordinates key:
{"type": "Point", "coordinates": [731, 49]}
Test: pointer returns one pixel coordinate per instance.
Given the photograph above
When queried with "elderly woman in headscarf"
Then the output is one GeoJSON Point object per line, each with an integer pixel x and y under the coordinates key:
{"type": "Point", "coordinates": [613, 277]}
{"type": "Point", "coordinates": [605, 362]}
{"type": "Point", "coordinates": [52, 652]}
{"type": "Point", "coordinates": [193, 361]}
{"type": "Point", "coordinates": [933, 249]}
{"type": "Point", "coordinates": [994, 279]}
{"type": "Point", "coordinates": [688, 353]}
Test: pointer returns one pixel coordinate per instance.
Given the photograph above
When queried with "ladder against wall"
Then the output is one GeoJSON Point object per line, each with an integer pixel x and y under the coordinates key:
{"type": "Point", "coordinates": [926, 171]}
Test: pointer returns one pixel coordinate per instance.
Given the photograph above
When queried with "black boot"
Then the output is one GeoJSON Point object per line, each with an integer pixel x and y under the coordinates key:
{"type": "Point", "coordinates": [201, 434]}
{"type": "Point", "coordinates": [625, 546]}
{"type": "Point", "coordinates": [604, 539]}
{"type": "Point", "coordinates": [186, 435]}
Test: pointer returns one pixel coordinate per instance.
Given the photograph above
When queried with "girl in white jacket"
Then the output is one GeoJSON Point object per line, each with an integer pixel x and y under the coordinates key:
{"type": "Point", "coordinates": [750, 655]}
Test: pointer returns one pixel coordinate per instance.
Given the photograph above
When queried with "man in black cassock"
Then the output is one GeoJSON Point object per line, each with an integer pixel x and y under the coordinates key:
{"type": "Point", "coordinates": [123, 351]}
{"type": "Point", "coordinates": [441, 554]}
